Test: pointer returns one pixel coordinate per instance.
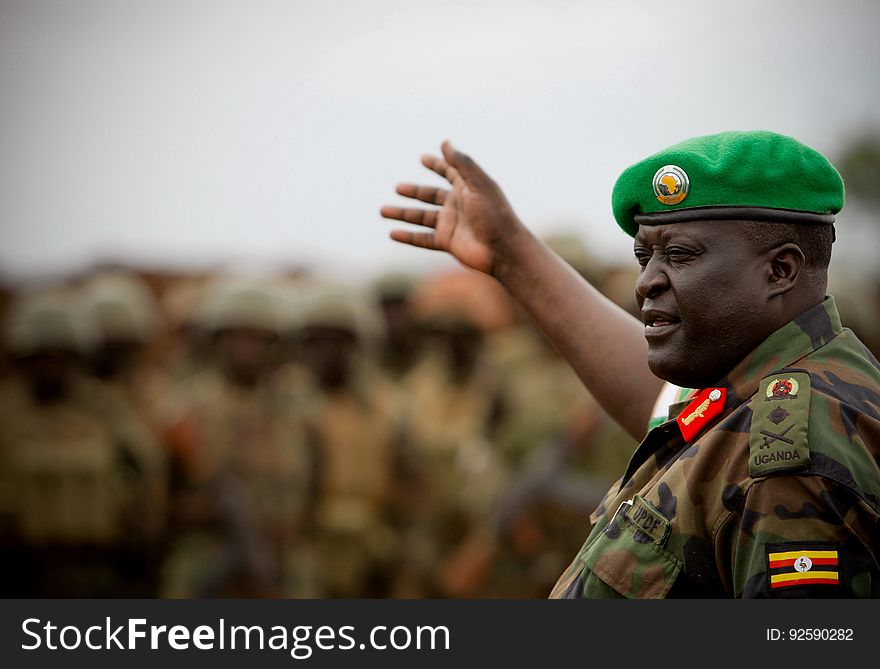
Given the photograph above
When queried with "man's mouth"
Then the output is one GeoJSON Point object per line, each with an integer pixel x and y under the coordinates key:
{"type": "Point", "coordinates": [659, 323]}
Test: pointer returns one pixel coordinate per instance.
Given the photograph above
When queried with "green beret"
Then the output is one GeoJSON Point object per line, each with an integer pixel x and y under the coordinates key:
{"type": "Point", "coordinates": [732, 175]}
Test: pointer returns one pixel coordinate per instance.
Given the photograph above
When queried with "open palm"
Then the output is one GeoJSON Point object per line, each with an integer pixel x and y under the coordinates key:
{"type": "Point", "coordinates": [473, 216]}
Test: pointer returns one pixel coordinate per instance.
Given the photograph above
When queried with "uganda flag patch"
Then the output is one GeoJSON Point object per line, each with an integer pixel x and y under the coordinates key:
{"type": "Point", "coordinates": [792, 565]}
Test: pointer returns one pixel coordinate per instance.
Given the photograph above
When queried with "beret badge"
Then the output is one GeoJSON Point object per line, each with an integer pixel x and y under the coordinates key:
{"type": "Point", "coordinates": [671, 184]}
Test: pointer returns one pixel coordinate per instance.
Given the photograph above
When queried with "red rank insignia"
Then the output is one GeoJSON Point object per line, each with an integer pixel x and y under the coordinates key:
{"type": "Point", "coordinates": [703, 408]}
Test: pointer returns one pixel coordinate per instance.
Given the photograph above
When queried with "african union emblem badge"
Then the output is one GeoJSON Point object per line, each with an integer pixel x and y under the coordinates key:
{"type": "Point", "coordinates": [782, 389]}
{"type": "Point", "coordinates": [671, 184]}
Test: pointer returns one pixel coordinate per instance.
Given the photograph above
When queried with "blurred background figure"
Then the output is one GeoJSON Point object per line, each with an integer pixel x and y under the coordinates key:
{"type": "Point", "coordinates": [399, 344]}
{"type": "Point", "coordinates": [363, 478]}
{"type": "Point", "coordinates": [244, 463]}
{"type": "Point", "coordinates": [856, 285]}
{"type": "Point", "coordinates": [6, 297]}
{"type": "Point", "coordinates": [545, 393]}
{"type": "Point", "coordinates": [81, 481]}
{"type": "Point", "coordinates": [454, 401]}
{"type": "Point", "coordinates": [560, 448]}
{"type": "Point", "coordinates": [127, 322]}
{"type": "Point", "coordinates": [185, 346]}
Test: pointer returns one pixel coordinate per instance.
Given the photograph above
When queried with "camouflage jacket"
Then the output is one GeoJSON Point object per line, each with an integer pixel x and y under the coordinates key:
{"type": "Point", "coordinates": [766, 486]}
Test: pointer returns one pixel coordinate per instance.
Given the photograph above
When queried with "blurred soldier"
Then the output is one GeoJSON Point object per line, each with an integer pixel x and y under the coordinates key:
{"type": "Point", "coordinates": [454, 403]}
{"type": "Point", "coordinates": [5, 301]}
{"type": "Point", "coordinates": [563, 449]}
{"type": "Point", "coordinates": [546, 395]}
{"type": "Point", "coordinates": [363, 473]}
{"type": "Point", "coordinates": [79, 514]}
{"type": "Point", "coordinates": [573, 249]}
{"type": "Point", "coordinates": [244, 463]}
{"type": "Point", "coordinates": [399, 345]}
{"type": "Point", "coordinates": [126, 317]}
{"type": "Point", "coordinates": [181, 304]}
{"type": "Point", "coordinates": [858, 300]}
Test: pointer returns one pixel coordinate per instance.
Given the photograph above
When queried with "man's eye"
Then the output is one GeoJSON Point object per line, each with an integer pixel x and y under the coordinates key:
{"type": "Point", "coordinates": [642, 257]}
{"type": "Point", "coordinates": [678, 256]}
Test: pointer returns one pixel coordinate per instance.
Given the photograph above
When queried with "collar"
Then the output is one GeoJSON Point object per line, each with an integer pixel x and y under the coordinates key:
{"type": "Point", "coordinates": [797, 339]}
{"type": "Point", "coordinates": [793, 341]}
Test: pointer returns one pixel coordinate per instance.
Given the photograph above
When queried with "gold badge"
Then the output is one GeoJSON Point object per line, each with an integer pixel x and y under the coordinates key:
{"type": "Point", "coordinates": [696, 413]}
{"type": "Point", "coordinates": [671, 184]}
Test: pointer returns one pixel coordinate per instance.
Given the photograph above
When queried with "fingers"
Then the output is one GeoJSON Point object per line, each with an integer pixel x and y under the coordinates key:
{"type": "Point", "coordinates": [424, 240]}
{"type": "Point", "coordinates": [421, 217]}
{"type": "Point", "coordinates": [423, 193]}
{"type": "Point", "coordinates": [441, 167]}
{"type": "Point", "coordinates": [464, 165]}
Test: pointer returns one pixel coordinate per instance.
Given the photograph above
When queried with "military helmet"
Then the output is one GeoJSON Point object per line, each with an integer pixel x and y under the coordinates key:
{"type": "Point", "coordinates": [337, 306]}
{"type": "Point", "coordinates": [47, 318]}
{"type": "Point", "coordinates": [240, 303]}
{"type": "Point", "coordinates": [122, 306]}
{"type": "Point", "coordinates": [394, 285]}
{"type": "Point", "coordinates": [572, 248]}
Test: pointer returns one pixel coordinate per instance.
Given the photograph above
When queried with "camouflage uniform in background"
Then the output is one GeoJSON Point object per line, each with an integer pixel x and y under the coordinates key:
{"type": "Point", "coordinates": [244, 464]}
{"type": "Point", "coordinates": [80, 481]}
{"type": "Point", "coordinates": [6, 297]}
{"type": "Point", "coordinates": [776, 495]}
{"type": "Point", "coordinates": [358, 510]}
{"type": "Point", "coordinates": [126, 316]}
{"type": "Point", "coordinates": [562, 447]}
{"type": "Point", "coordinates": [126, 320]}
{"type": "Point", "coordinates": [185, 348]}
{"type": "Point", "coordinates": [544, 393]}
{"type": "Point", "coordinates": [398, 350]}
{"type": "Point", "coordinates": [362, 479]}
{"type": "Point", "coordinates": [454, 402]}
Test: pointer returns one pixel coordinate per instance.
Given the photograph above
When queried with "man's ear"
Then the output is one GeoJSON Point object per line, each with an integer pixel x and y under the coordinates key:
{"type": "Point", "coordinates": [785, 264]}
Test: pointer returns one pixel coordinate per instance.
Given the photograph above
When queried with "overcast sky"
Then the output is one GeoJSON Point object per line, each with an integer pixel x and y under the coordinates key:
{"type": "Point", "coordinates": [174, 132]}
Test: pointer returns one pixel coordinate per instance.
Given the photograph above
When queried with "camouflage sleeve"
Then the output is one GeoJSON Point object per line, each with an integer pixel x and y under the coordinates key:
{"type": "Point", "coordinates": [797, 536]}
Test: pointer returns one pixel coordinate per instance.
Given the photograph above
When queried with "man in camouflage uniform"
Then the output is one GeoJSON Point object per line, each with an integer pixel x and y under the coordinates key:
{"type": "Point", "coordinates": [399, 347]}
{"type": "Point", "coordinates": [126, 317]}
{"type": "Point", "coordinates": [81, 483]}
{"type": "Point", "coordinates": [244, 465]}
{"type": "Point", "coordinates": [766, 483]}
{"type": "Point", "coordinates": [361, 476]}
{"type": "Point", "coordinates": [563, 448]}
{"type": "Point", "coordinates": [454, 402]}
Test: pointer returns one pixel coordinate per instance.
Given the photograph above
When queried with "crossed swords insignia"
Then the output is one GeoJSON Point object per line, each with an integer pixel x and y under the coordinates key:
{"type": "Point", "coordinates": [770, 437]}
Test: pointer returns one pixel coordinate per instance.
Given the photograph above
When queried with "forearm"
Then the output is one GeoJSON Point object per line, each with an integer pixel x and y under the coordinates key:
{"type": "Point", "coordinates": [604, 345]}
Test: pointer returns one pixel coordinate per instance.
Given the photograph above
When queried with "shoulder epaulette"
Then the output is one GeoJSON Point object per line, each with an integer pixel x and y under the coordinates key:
{"type": "Point", "coordinates": [780, 420]}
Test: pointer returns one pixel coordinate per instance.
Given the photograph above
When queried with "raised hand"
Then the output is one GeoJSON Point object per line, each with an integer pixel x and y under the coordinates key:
{"type": "Point", "coordinates": [474, 217]}
{"type": "Point", "coordinates": [475, 223]}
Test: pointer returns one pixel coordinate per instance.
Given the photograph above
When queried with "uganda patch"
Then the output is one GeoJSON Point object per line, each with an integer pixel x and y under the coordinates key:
{"type": "Point", "coordinates": [780, 417]}
{"type": "Point", "coordinates": [796, 564]}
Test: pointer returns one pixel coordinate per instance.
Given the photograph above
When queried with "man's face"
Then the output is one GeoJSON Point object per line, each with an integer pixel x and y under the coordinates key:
{"type": "Point", "coordinates": [702, 291]}
{"type": "Point", "coordinates": [246, 354]}
{"type": "Point", "coordinates": [330, 353]}
{"type": "Point", "coordinates": [48, 373]}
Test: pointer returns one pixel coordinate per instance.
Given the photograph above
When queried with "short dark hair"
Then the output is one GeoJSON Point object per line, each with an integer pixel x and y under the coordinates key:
{"type": "Point", "coordinates": [814, 240]}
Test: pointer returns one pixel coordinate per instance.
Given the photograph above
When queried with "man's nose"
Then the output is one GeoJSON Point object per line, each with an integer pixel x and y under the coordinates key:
{"type": "Point", "coordinates": [652, 280]}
